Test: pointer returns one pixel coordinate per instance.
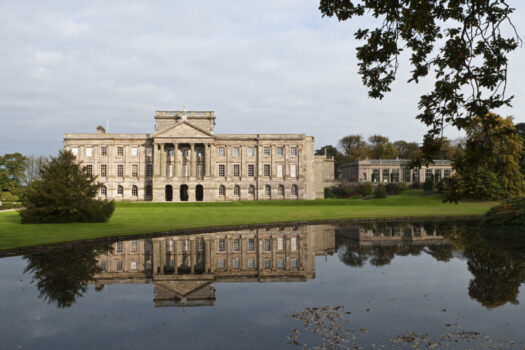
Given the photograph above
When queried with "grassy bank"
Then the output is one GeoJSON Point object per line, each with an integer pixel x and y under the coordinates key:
{"type": "Point", "coordinates": [139, 218]}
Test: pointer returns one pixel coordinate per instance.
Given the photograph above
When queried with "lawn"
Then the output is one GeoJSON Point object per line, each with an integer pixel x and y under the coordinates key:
{"type": "Point", "coordinates": [147, 217]}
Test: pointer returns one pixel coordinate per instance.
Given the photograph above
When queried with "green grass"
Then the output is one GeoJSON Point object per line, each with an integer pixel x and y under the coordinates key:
{"type": "Point", "coordinates": [146, 217]}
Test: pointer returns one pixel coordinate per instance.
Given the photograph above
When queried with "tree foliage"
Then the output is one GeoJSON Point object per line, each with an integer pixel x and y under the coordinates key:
{"type": "Point", "coordinates": [65, 192]}
{"type": "Point", "coordinates": [463, 44]}
{"type": "Point", "coordinates": [12, 168]}
{"type": "Point", "coordinates": [520, 128]}
{"type": "Point", "coordinates": [331, 151]}
{"type": "Point", "coordinates": [354, 147]}
{"type": "Point", "coordinates": [381, 148]}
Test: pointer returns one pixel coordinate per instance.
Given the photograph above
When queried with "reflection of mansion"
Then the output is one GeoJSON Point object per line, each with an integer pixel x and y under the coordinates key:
{"type": "Point", "coordinates": [393, 170]}
{"type": "Point", "coordinates": [184, 268]}
{"type": "Point", "coordinates": [184, 160]}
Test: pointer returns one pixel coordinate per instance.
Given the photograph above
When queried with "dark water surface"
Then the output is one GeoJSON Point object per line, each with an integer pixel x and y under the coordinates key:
{"type": "Point", "coordinates": [372, 286]}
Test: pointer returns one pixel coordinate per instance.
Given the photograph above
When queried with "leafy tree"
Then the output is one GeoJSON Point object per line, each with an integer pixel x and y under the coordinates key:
{"type": "Point", "coordinates": [381, 148]}
{"type": "Point", "coordinates": [463, 44]}
{"type": "Point", "coordinates": [331, 151]}
{"type": "Point", "coordinates": [354, 147]}
{"type": "Point", "coordinates": [33, 165]}
{"type": "Point", "coordinates": [65, 192]}
{"type": "Point", "coordinates": [520, 128]}
{"type": "Point", "coordinates": [12, 172]}
{"type": "Point", "coordinates": [380, 191]}
{"type": "Point", "coordinates": [407, 150]}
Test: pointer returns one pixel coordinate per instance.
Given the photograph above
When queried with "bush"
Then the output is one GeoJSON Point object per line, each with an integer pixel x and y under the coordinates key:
{"type": "Point", "coordinates": [365, 189]}
{"type": "Point", "coordinates": [402, 186]}
{"type": "Point", "coordinates": [6, 196]}
{"type": "Point", "coordinates": [415, 186]}
{"type": "Point", "coordinates": [65, 192]}
{"type": "Point", "coordinates": [392, 188]}
{"type": "Point", "coordinates": [328, 193]}
{"type": "Point", "coordinates": [380, 191]}
{"type": "Point", "coordinates": [510, 213]}
{"type": "Point", "coordinates": [428, 186]}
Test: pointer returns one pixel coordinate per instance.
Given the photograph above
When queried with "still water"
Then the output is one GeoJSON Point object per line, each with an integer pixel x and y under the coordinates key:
{"type": "Point", "coordinates": [336, 286]}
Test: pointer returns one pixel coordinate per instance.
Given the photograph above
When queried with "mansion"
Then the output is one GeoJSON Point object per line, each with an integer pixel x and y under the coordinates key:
{"type": "Point", "coordinates": [184, 160]}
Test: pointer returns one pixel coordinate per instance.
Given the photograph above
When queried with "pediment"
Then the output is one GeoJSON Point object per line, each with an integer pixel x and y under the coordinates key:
{"type": "Point", "coordinates": [180, 289]}
{"type": "Point", "coordinates": [183, 129]}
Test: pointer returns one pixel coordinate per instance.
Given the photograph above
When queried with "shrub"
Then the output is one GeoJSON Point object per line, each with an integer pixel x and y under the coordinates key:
{"type": "Point", "coordinates": [510, 213]}
{"type": "Point", "coordinates": [6, 196]}
{"type": "Point", "coordinates": [380, 191]}
{"type": "Point", "coordinates": [428, 186]}
{"type": "Point", "coordinates": [415, 186]}
{"type": "Point", "coordinates": [403, 186]}
{"type": "Point", "coordinates": [328, 193]}
{"type": "Point", "coordinates": [392, 188]}
{"type": "Point", "coordinates": [365, 189]}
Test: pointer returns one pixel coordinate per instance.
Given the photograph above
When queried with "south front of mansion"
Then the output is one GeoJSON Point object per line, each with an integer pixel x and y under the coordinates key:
{"type": "Point", "coordinates": [184, 160]}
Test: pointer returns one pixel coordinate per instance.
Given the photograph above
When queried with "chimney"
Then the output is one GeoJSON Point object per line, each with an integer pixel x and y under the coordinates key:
{"type": "Point", "coordinates": [101, 130]}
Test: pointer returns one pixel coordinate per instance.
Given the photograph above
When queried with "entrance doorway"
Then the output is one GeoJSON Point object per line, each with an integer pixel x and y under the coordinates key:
{"type": "Point", "coordinates": [183, 193]}
{"type": "Point", "coordinates": [199, 193]}
{"type": "Point", "coordinates": [169, 193]}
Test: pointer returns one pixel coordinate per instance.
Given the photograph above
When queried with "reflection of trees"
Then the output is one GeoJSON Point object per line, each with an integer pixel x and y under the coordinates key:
{"type": "Point", "coordinates": [353, 255]}
{"type": "Point", "coordinates": [440, 252]}
{"type": "Point", "coordinates": [62, 273]}
{"type": "Point", "coordinates": [382, 255]}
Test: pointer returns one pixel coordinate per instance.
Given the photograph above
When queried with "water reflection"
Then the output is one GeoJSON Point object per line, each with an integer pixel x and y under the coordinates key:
{"type": "Point", "coordinates": [183, 269]}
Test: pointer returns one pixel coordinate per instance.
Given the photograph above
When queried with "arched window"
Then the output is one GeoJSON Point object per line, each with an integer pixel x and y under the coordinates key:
{"type": "Point", "coordinates": [134, 191]}
{"type": "Point", "coordinates": [251, 190]}
{"type": "Point", "coordinates": [267, 190]}
{"type": "Point", "coordinates": [236, 190]}
{"type": "Point", "coordinates": [222, 190]}
{"type": "Point", "coordinates": [295, 192]}
{"type": "Point", "coordinates": [104, 191]}
{"type": "Point", "coordinates": [280, 190]}
{"type": "Point", "coordinates": [120, 191]}
{"type": "Point", "coordinates": [148, 190]}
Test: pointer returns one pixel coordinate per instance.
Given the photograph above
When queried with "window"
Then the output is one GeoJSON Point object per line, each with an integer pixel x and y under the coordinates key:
{"type": "Point", "coordinates": [437, 175]}
{"type": "Point", "coordinates": [251, 152]}
{"type": "Point", "coordinates": [293, 244]}
{"type": "Point", "coordinates": [447, 172]}
{"type": "Point", "coordinates": [415, 175]}
{"type": "Point", "coordinates": [235, 151]}
{"type": "Point", "coordinates": [267, 244]}
{"type": "Point", "coordinates": [267, 264]}
{"type": "Point", "coordinates": [120, 151]}
{"type": "Point", "coordinates": [293, 263]}
{"type": "Point", "coordinates": [134, 151]}
{"type": "Point", "coordinates": [89, 152]}
{"type": "Point", "coordinates": [279, 170]}
{"type": "Point", "coordinates": [199, 245]}
{"type": "Point", "coordinates": [134, 191]}
{"type": "Point", "coordinates": [428, 174]}
{"type": "Point", "coordinates": [74, 150]}
{"type": "Point", "coordinates": [266, 151]}
{"type": "Point", "coordinates": [267, 190]}
{"type": "Point", "coordinates": [220, 263]}
{"type": "Point", "coordinates": [104, 191]}
{"type": "Point", "coordinates": [103, 170]}
{"type": "Point", "coordinates": [251, 170]}
{"type": "Point", "coordinates": [251, 263]}
{"type": "Point", "coordinates": [280, 264]}
{"type": "Point", "coordinates": [236, 263]}
{"type": "Point", "coordinates": [134, 246]}
{"type": "Point", "coordinates": [236, 244]}
{"type": "Point", "coordinates": [222, 171]}
{"type": "Point", "coordinates": [103, 151]}
{"type": "Point", "coordinates": [133, 265]}
{"type": "Point", "coordinates": [251, 190]}
{"type": "Point", "coordinates": [221, 151]}
{"type": "Point", "coordinates": [295, 192]}
{"type": "Point", "coordinates": [386, 175]}
{"type": "Point", "coordinates": [89, 169]}
{"type": "Point", "coordinates": [185, 152]}
{"type": "Point", "coordinates": [119, 265]}
{"type": "Point", "coordinates": [236, 190]}
{"type": "Point", "coordinates": [293, 151]}
{"type": "Point", "coordinates": [280, 190]}
{"type": "Point", "coordinates": [293, 170]}
{"type": "Point", "coordinates": [251, 244]}
{"type": "Point", "coordinates": [149, 151]}
{"type": "Point", "coordinates": [267, 170]}
{"type": "Point", "coordinates": [222, 244]}
{"type": "Point", "coordinates": [103, 266]}
{"type": "Point", "coordinates": [120, 191]}
{"type": "Point", "coordinates": [134, 170]}
{"type": "Point", "coordinates": [280, 243]}
{"type": "Point", "coordinates": [120, 170]}
{"type": "Point", "coordinates": [222, 190]}
{"type": "Point", "coordinates": [406, 174]}
{"type": "Point", "coordinates": [280, 151]}
{"type": "Point", "coordinates": [149, 170]}
{"type": "Point", "coordinates": [185, 170]}
{"type": "Point", "coordinates": [119, 247]}
{"type": "Point", "coordinates": [236, 170]}
{"type": "Point", "coordinates": [148, 190]}
{"type": "Point", "coordinates": [375, 175]}
{"type": "Point", "coordinates": [170, 152]}
{"type": "Point", "coordinates": [394, 177]}
{"type": "Point", "coordinates": [184, 245]}
{"type": "Point", "coordinates": [170, 170]}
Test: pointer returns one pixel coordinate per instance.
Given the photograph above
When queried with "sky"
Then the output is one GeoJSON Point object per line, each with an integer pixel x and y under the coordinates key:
{"type": "Point", "coordinates": [274, 66]}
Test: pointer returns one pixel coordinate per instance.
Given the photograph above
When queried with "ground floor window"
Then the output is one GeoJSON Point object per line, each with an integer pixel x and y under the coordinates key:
{"type": "Point", "coordinates": [267, 190]}
{"type": "Point", "coordinates": [294, 190]}
{"type": "Point", "coordinates": [148, 190]}
{"type": "Point", "coordinates": [237, 190]}
{"type": "Point", "coordinates": [251, 190]}
{"type": "Point", "coordinates": [386, 173]}
{"type": "Point", "coordinates": [375, 175]}
{"type": "Point", "coordinates": [280, 190]}
{"type": "Point", "coordinates": [104, 191]}
{"type": "Point", "coordinates": [134, 191]}
{"type": "Point", "coordinates": [120, 191]}
{"type": "Point", "coordinates": [222, 190]}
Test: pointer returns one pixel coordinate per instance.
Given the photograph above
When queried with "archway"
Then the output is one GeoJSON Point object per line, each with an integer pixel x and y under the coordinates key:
{"type": "Point", "coordinates": [169, 193]}
{"type": "Point", "coordinates": [183, 193]}
{"type": "Point", "coordinates": [199, 193]}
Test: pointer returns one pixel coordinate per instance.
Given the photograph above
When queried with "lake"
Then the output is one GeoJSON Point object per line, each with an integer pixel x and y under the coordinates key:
{"type": "Point", "coordinates": [374, 285]}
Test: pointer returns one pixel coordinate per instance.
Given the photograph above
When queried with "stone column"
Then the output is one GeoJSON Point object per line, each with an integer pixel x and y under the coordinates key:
{"type": "Point", "coordinates": [175, 164]}
{"type": "Point", "coordinates": [163, 171]}
{"type": "Point", "coordinates": [193, 163]}
{"type": "Point", "coordinates": [156, 159]}
{"type": "Point", "coordinates": [213, 154]}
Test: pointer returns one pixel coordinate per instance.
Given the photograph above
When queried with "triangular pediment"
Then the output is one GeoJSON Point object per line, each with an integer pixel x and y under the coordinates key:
{"type": "Point", "coordinates": [183, 129]}
{"type": "Point", "coordinates": [179, 289]}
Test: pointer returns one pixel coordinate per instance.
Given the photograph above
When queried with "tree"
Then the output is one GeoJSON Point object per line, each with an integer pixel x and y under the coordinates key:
{"type": "Point", "coordinates": [331, 151]}
{"type": "Point", "coordinates": [65, 192]}
{"type": "Point", "coordinates": [381, 148]}
{"type": "Point", "coordinates": [520, 128]}
{"type": "Point", "coordinates": [489, 167]}
{"type": "Point", "coordinates": [463, 44]}
{"type": "Point", "coordinates": [407, 150]}
{"type": "Point", "coordinates": [354, 147]}
{"type": "Point", "coordinates": [33, 165]}
{"type": "Point", "coordinates": [12, 172]}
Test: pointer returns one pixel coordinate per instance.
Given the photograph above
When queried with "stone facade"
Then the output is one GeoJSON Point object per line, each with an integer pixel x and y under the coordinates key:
{"type": "Point", "coordinates": [393, 170]}
{"type": "Point", "coordinates": [184, 160]}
